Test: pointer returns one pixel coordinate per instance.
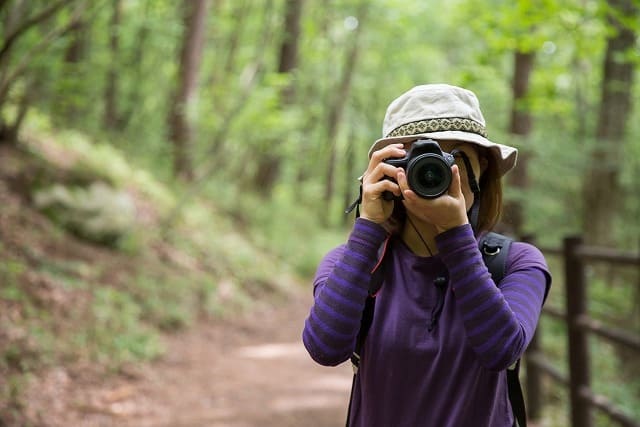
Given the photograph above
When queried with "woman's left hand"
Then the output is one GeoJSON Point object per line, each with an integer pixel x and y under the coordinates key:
{"type": "Point", "coordinates": [445, 212]}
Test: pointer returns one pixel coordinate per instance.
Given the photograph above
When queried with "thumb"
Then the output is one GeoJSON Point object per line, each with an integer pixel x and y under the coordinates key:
{"type": "Point", "coordinates": [455, 189]}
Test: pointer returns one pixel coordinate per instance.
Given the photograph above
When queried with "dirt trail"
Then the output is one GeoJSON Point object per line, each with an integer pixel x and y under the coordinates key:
{"type": "Point", "coordinates": [248, 372]}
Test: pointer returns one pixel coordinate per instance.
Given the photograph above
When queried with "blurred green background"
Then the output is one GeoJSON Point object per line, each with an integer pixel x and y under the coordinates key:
{"type": "Point", "coordinates": [162, 160]}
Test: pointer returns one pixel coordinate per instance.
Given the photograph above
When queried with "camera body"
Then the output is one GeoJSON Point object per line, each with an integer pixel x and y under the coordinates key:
{"type": "Point", "coordinates": [427, 167]}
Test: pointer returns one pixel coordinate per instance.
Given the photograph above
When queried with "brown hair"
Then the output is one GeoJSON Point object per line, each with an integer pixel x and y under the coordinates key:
{"type": "Point", "coordinates": [490, 195]}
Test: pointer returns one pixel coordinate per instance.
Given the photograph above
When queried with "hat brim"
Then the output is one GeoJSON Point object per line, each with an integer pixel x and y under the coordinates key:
{"type": "Point", "coordinates": [504, 155]}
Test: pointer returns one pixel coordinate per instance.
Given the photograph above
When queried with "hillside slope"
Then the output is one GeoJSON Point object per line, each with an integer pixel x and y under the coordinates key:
{"type": "Point", "coordinates": [77, 307]}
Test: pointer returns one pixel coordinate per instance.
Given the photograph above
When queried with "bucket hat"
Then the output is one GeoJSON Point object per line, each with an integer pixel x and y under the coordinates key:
{"type": "Point", "coordinates": [441, 112]}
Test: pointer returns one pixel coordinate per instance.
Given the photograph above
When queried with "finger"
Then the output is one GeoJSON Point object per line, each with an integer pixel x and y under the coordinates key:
{"type": "Point", "coordinates": [375, 190]}
{"type": "Point", "coordinates": [401, 177]}
{"type": "Point", "coordinates": [403, 183]}
{"type": "Point", "coordinates": [391, 150]}
{"type": "Point", "coordinates": [455, 188]}
{"type": "Point", "coordinates": [385, 151]}
{"type": "Point", "coordinates": [381, 171]}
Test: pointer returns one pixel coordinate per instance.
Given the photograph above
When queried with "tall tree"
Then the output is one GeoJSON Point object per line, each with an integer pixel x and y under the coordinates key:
{"type": "Point", "coordinates": [289, 46]}
{"type": "Point", "coordinates": [180, 128]}
{"type": "Point", "coordinates": [520, 125]}
{"type": "Point", "coordinates": [239, 15]}
{"type": "Point", "coordinates": [519, 30]}
{"type": "Point", "coordinates": [269, 161]}
{"type": "Point", "coordinates": [250, 78]}
{"type": "Point", "coordinates": [71, 98]}
{"type": "Point", "coordinates": [340, 96]}
{"type": "Point", "coordinates": [111, 118]}
{"type": "Point", "coordinates": [601, 187]}
{"type": "Point", "coordinates": [139, 51]}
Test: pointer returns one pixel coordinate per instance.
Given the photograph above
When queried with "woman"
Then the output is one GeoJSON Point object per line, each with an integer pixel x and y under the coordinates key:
{"type": "Point", "coordinates": [424, 365]}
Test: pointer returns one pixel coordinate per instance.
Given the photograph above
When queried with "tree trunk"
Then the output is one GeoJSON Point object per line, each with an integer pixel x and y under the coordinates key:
{"type": "Point", "coordinates": [269, 163]}
{"type": "Point", "coordinates": [17, 20]}
{"type": "Point", "coordinates": [340, 96]}
{"type": "Point", "coordinates": [180, 130]}
{"type": "Point", "coordinates": [252, 74]}
{"type": "Point", "coordinates": [305, 148]}
{"type": "Point", "coordinates": [289, 47]}
{"type": "Point", "coordinates": [514, 212]}
{"type": "Point", "coordinates": [350, 172]}
{"type": "Point", "coordinates": [11, 22]}
{"type": "Point", "coordinates": [20, 24]}
{"type": "Point", "coordinates": [135, 93]}
{"type": "Point", "coordinates": [601, 189]}
{"type": "Point", "coordinates": [240, 13]}
{"type": "Point", "coordinates": [12, 18]}
{"type": "Point", "coordinates": [111, 119]}
{"type": "Point", "coordinates": [70, 109]}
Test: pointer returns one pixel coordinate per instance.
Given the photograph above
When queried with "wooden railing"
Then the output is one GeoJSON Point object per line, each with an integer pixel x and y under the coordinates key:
{"type": "Point", "coordinates": [582, 399]}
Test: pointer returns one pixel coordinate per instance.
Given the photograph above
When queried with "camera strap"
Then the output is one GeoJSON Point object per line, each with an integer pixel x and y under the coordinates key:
{"type": "Point", "coordinates": [355, 205]}
{"type": "Point", "coordinates": [473, 185]}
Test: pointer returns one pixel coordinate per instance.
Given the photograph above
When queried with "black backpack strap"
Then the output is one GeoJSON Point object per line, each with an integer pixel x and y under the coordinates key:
{"type": "Point", "coordinates": [495, 250]}
{"type": "Point", "coordinates": [377, 277]}
{"type": "Point", "coordinates": [515, 395]}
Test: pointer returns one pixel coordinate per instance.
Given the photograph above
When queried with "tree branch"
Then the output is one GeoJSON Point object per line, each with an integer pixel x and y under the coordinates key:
{"type": "Point", "coordinates": [34, 20]}
{"type": "Point", "coordinates": [24, 61]}
{"type": "Point", "coordinates": [3, 4]}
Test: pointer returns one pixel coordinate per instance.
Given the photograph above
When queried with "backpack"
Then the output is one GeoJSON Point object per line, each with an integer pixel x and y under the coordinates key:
{"type": "Point", "coordinates": [495, 249]}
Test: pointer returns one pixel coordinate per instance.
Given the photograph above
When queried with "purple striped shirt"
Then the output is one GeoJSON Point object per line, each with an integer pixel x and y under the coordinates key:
{"type": "Point", "coordinates": [453, 375]}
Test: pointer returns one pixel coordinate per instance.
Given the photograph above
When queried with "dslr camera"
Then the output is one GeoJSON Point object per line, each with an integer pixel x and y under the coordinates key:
{"type": "Point", "coordinates": [428, 169]}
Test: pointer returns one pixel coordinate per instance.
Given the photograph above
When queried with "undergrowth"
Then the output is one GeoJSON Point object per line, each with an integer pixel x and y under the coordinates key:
{"type": "Point", "coordinates": [65, 300]}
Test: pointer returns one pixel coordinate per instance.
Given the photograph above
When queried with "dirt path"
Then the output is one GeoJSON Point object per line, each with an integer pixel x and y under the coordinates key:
{"type": "Point", "coordinates": [251, 372]}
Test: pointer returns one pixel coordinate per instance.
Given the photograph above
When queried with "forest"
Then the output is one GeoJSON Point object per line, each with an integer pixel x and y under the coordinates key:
{"type": "Point", "coordinates": [166, 162]}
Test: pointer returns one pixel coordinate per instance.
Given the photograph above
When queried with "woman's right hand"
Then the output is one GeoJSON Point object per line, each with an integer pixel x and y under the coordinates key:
{"type": "Point", "coordinates": [374, 207]}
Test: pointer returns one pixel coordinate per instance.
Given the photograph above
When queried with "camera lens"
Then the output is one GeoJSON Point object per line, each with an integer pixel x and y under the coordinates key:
{"type": "Point", "coordinates": [429, 176]}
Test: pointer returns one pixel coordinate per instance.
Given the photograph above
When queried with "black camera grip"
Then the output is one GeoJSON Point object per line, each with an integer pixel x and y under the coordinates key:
{"type": "Point", "coordinates": [388, 195]}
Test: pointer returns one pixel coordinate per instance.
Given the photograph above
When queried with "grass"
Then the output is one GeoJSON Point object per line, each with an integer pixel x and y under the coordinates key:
{"type": "Point", "coordinates": [64, 300]}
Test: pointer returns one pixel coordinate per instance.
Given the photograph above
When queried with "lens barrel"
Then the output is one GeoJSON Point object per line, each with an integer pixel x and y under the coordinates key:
{"type": "Point", "coordinates": [429, 175]}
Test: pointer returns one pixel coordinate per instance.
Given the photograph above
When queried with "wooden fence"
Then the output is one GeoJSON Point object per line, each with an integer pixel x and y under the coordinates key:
{"type": "Point", "coordinates": [582, 399]}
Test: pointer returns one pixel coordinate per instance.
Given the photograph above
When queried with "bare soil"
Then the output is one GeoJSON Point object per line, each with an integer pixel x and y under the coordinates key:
{"type": "Point", "coordinates": [244, 372]}
{"type": "Point", "coordinates": [250, 371]}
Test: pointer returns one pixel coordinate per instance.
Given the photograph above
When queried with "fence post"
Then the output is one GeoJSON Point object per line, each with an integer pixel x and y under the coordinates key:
{"type": "Point", "coordinates": [534, 386]}
{"type": "Point", "coordinates": [576, 304]}
{"type": "Point", "coordinates": [534, 374]}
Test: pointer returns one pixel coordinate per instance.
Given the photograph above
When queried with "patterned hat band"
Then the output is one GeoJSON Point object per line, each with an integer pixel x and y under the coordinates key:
{"type": "Point", "coordinates": [439, 125]}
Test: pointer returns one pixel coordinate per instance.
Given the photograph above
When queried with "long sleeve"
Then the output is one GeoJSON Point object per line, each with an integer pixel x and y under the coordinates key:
{"type": "Point", "coordinates": [499, 320]}
{"type": "Point", "coordinates": [340, 291]}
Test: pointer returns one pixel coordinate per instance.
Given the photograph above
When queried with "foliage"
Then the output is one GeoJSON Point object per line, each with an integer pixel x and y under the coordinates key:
{"type": "Point", "coordinates": [284, 226]}
{"type": "Point", "coordinates": [96, 213]}
{"type": "Point", "coordinates": [58, 71]}
{"type": "Point", "coordinates": [115, 334]}
{"type": "Point", "coordinates": [239, 114]}
{"type": "Point", "coordinates": [65, 300]}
